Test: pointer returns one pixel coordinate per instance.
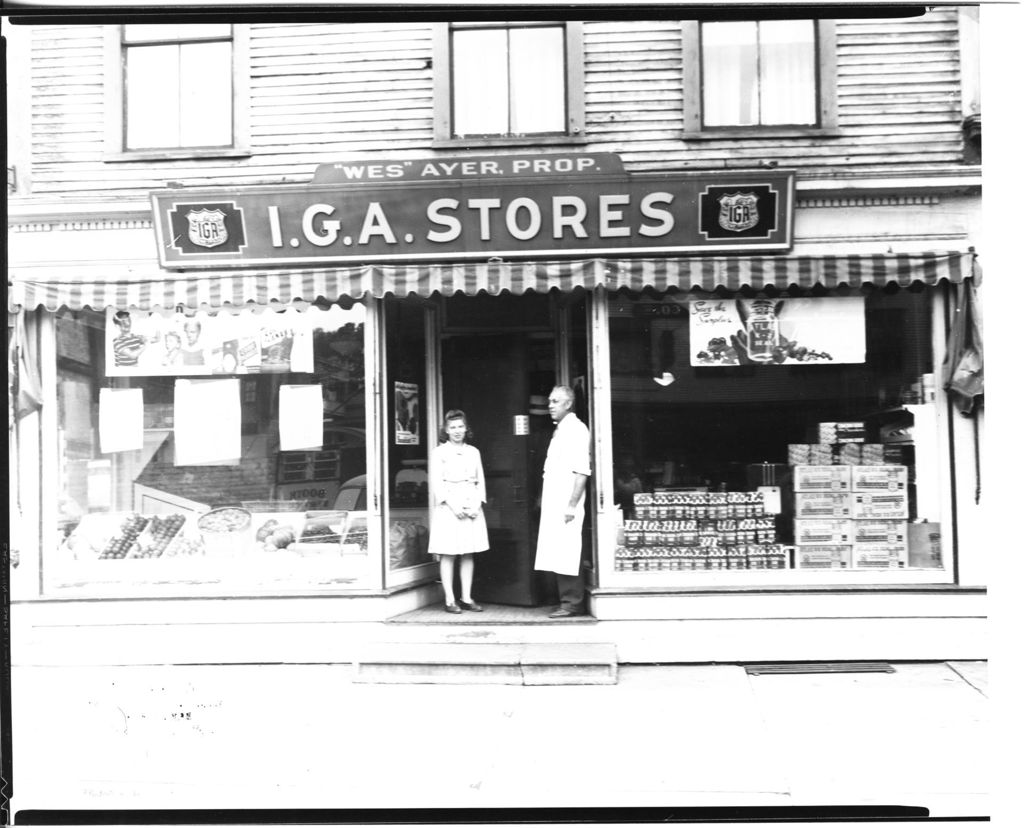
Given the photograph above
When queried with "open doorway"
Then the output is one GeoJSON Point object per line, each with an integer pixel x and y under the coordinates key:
{"type": "Point", "coordinates": [496, 358]}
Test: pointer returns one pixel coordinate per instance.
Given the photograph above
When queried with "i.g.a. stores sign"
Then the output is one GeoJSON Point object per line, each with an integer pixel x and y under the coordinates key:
{"type": "Point", "coordinates": [472, 207]}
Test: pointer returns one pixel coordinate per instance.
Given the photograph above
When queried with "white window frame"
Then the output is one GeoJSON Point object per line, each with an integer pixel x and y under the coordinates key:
{"type": "Point", "coordinates": [693, 116]}
{"type": "Point", "coordinates": [115, 105]}
{"type": "Point", "coordinates": [575, 118]}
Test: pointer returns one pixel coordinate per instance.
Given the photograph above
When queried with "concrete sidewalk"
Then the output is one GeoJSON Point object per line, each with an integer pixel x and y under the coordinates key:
{"type": "Point", "coordinates": [291, 736]}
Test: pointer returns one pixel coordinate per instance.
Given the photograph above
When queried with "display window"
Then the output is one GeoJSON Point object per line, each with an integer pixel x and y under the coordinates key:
{"type": "Point", "coordinates": [787, 438]}
{"type": "Point", "coordinates": [211, 449]}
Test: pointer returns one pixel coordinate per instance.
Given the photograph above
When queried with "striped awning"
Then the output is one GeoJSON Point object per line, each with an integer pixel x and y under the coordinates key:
{"type": "Point", "coordinates": [146, 286]}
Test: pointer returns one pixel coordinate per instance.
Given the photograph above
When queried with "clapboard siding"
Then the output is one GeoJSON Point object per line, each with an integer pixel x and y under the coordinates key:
{"type": "Point", "coordinates": [633, 85]}
{"type": "Point", "coordinates": [67, 104]}
{"type": "Point", "coordinates": [319, 92]}
{"type": "Point", "coordinates": [339, 90]}
{"type": "Point", "coordinates": [898, 104]}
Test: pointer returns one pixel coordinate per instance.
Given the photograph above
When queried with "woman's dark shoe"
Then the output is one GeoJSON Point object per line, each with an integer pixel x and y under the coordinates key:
{"type": "Point", "coordinates": [472, 606]}
{"type": "Point", "coordinates": [452, 608]}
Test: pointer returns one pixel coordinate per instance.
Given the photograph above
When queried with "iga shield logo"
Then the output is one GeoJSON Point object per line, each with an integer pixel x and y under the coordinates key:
{"type": "Point", "coordinates": [738, 212]}
{"type": "Point", "coordinates": [210, 228]}
{"type": "Point", "coordinates": [206, 228]}
{"type": "Point", "coordinates": [735, 212]}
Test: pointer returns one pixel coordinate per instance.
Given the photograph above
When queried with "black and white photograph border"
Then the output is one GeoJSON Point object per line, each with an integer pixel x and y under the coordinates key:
{"type": "Point", "coordinates": [353, 697]}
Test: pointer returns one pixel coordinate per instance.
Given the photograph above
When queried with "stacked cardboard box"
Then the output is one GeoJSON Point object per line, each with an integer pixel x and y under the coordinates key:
{"type": "Point", "coordinates": [699, 531]}
{"type": "Point", "coordinates": [837, 444]}
{"type": "Point", "coordinates": [850, 506]}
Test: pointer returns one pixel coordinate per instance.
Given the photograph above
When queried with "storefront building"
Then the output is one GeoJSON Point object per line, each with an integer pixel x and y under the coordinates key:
{"type": "Point", "coordinates": [234, 348]}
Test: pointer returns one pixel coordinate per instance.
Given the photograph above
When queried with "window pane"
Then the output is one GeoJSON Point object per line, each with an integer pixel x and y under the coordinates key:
{"type": "Point", "coordinates": [729, 62]}
{"type": "Point", "coordinates": [206, 103]}
{"type": "Point", "coordinates": [788, 94]}
{"type": "Point", "coordinates": [179, 96]}
{"type": "Point", "coordinates": [138, 32]}
{"type": "Point", "coordinates": [694, 418]}
{"type": "Point", "coordinates": [480, 82]}
{"type": "Point", "coordinates": [537, 80]}
{"type": "Point", "coordinates": [151, 97]}
{"type": "Point", "coordinates": [315, 496]}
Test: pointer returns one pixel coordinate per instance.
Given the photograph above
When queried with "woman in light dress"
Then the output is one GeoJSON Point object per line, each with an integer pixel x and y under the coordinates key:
{"type": "Point", "coordinates": [457, 528]}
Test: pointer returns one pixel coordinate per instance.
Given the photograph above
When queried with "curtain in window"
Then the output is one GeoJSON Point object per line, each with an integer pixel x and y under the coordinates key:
{"type": "Point", "coordinates": [537, 82]}
{"type": "Point", "coordinates": [759, 73]}
{"type": "Point", "coordinates": [178, 95]}
{"type": "Point", "coordinates": [508, 81]}
{"type": "Point", "coordinates": [730, 74]}
{"type": "Point", "coordinates": [480, 82]}
{"type": "Point", "coordinates": [787, 72]}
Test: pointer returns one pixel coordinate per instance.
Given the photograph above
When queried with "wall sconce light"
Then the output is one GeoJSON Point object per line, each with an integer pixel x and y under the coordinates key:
{"type": "Point", "coordinates": [666, 379]}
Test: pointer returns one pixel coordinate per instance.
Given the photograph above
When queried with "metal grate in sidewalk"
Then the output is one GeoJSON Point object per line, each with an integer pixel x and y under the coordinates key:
{"type": "Point", "coordinates": [819, 667]}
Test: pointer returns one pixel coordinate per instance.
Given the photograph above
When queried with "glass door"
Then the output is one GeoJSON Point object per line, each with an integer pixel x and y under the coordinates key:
{"type": "Point", "coordinates": [408, 433]}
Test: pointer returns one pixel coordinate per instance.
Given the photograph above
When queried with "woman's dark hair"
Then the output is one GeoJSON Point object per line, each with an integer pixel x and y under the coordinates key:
{"type": "Point", "coordinates": [454, 414]}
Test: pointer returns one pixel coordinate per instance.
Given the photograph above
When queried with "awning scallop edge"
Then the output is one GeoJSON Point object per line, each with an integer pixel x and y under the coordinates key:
{"type": "Point", "coordinates": [146, 286]}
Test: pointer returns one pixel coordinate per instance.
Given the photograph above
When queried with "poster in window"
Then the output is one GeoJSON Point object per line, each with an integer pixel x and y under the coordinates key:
{"type": "Point", "coordinates": [229, 342]}
{"type": "Point", "coordinates": [407, 414]}
{"type": "Point", "coordinates": [815, 331]}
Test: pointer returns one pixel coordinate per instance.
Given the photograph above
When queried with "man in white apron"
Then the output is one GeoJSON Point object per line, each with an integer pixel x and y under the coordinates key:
{"type": "Point", "coordinates": [566, 469]}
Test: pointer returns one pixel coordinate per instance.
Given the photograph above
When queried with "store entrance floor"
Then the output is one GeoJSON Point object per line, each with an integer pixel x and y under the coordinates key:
{"type": "Point", "coordinates": [493, 614]}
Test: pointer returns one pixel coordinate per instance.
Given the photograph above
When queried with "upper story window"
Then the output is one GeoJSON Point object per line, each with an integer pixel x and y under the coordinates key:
{"type": "Point", "coordinates": [759, 73]}
{"type": "Point", "coordinates": [178, 90]}
{"type": "Point", "coordinates": [508, 83]}
{"type": "Point", "coordinates": [759, 76]}
{"type": "Point", "coordinates": [177, 85]}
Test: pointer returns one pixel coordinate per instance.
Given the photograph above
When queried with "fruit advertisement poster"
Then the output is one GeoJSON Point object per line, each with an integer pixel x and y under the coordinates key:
{"type": "Point", "coordinates": [228, 342]}
{"type": "Point", "coordinates": [816, 331]}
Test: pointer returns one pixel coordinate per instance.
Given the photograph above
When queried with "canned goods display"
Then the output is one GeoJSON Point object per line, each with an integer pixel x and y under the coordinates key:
{"type": "Point", "coordinates": [690, 531]}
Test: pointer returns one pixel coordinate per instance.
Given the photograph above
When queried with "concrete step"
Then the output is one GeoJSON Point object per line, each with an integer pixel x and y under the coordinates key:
{"type": "Point", "coordinates": [486, 663]}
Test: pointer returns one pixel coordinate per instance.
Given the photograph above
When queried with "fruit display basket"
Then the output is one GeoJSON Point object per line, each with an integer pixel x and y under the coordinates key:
{"type": "Point", "coordinates": [128, 536]}
{"type": "Point", "coordinates": [162, 533]}
{"type": "Point", "coordinates": [225, 531]}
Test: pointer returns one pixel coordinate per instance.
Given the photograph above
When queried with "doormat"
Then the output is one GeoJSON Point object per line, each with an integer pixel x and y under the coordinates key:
{"type": "Point", "coordinates": [820, 667]}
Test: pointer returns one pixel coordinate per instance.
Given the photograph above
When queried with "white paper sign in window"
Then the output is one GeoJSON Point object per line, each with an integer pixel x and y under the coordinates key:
{"type": "Point", "coordinates": [207, 422]}
{"type": "Point", "coordinates": [301, 413]}
{"type": "Point", "coordinates": [121, 417]}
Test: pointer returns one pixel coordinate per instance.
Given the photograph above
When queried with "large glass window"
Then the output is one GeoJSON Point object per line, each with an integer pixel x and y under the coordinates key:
{"type": "Point", "coordinates": [790, 432]}
{"type": "Point", "coordinates": [178, 90]}
{"type": "Point", "coordinates": [210, 449]}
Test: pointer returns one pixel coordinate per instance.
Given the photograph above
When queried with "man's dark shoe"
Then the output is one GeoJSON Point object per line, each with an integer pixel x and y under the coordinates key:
{"type": "Point", "coordinates": [562, 612]}
{"type": "Point", "coordinates": [472, 606]}
{"type": "Point", "coordinates": [452, 608]}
